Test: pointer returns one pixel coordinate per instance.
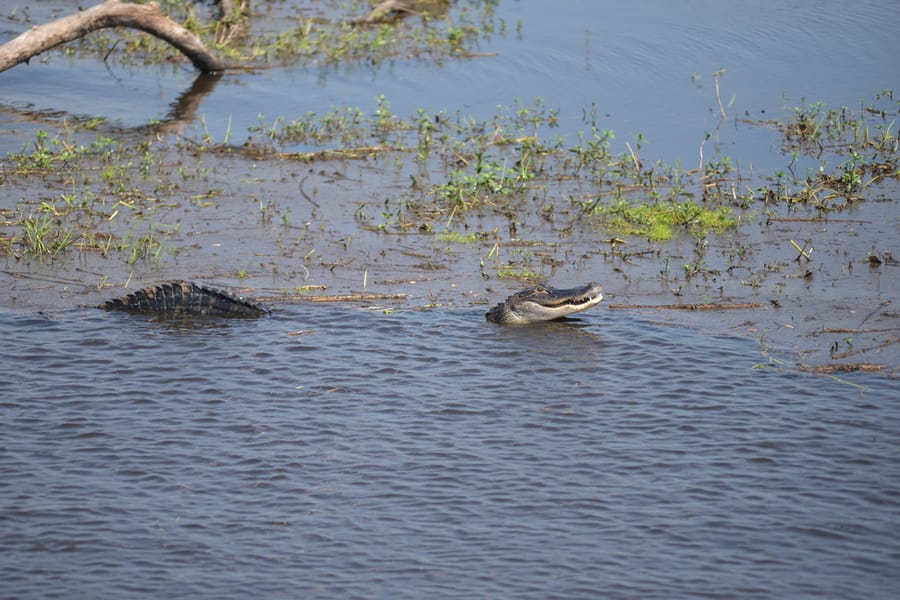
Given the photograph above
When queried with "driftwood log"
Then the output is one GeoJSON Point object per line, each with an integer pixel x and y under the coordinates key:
{"type": "Point", "coordinates": [111, 13]}
{"type": "Point", "coordinates": [702, 306]}
{"type": "Point", "coordinates": [392, 10]}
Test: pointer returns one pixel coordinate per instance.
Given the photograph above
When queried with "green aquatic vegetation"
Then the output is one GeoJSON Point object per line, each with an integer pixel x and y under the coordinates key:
{"type": "Point", "coordinates": [486, 178]}
{"type": "Point", "coordinates": [454, 237]}
{"type": "Point", "coordinates": [592, 152]}
{"type": "Point", "coordinates": [815, 128]}
{"type": "Point", "coordinates": [508, 167]}
{"type": "Point", "coordinates": [455, 138]}
{"type": "Point", "coordinates": [151, 245]}
{"type": "Point", "coordinates": [345, 125]}
{"type": "Point", "coordinates": [59, 153]}
{"type": "Point", "coordinates": [488, 162]}
{"type": "Point", "coordinates": [854, 149]}
{"type": "Point", "coordinates": [291, 33]}
{"type": "Point", "coordinates": [866, 132]}
{"type": "Point", "coordinates": [95, 190]}
{"type": "Point", "coordinates": [516, 272]}
{"type": "Point", "coordinates": [660, 221]}
{"type": "Point", "coordinates": [43, 236]}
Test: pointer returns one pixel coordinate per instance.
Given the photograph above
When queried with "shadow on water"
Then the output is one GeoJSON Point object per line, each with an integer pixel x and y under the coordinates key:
{"type": "Point", "coordinates": [187, 107]}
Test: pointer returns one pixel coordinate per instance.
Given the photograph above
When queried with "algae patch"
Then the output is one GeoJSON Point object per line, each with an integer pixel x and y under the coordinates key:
{"type": "Point", "coordinates": [661, 221]}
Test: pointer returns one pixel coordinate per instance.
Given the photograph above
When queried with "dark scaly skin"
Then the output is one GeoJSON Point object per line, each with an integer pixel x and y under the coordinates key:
{"type": "Point", "coordinates": [185, 298]}
{"type": "Point", "coordinates": [539, 303]}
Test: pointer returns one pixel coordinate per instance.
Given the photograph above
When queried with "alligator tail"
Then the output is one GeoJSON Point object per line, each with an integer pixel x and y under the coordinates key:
{"type": "Point", "coordinates": [187, 298]}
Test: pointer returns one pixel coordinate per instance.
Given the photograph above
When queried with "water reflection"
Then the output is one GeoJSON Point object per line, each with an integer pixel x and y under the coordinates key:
{"type": "Point", "coordinates": [186, 108]}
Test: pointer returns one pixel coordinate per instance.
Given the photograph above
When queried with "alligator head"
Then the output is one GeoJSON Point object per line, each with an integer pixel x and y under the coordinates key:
{"type": "Point", "coordinates": [545, 304]}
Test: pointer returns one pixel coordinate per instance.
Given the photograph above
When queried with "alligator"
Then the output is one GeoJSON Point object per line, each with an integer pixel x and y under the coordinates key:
{"type": "Point", "coordinates": [185, 298]}
{"type": "Point", "coordinates": [540, 303]}
{"type": "Point", "coordinates": [544, 303]}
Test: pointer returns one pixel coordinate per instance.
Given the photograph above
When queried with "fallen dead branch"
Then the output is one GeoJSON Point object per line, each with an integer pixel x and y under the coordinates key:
{"type": "Point", "coordinates": [111, 13]}
{"type": "Point", "coordinates": [392, 10]}
{"type": "Point", "coordinates": [385, 11]}
{"type": "Point", "coordinates": [853, 330]}
{"type": "Point", "coordinates": [703, 306]}
{"type": "Point", "coordinates": [360, 297]}
{"type": "Point", "coordinates": [354, 297]}
{"type": "Point", "coordinates": [334, 154]}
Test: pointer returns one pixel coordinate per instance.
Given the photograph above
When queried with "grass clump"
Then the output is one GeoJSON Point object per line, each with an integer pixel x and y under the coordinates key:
{"type": "Point", "coordinates": [454, 237]}
{"type": "Point", "coordinates": [845, 151]}
{"type": "Point", "coordinates": [327, 32]}
{"type": "Point", "coordinates": [487, 177]}
{"type": "Point", "coordinates": [42, 236]}
{"type": "Point", "coordinates": [660, 221]}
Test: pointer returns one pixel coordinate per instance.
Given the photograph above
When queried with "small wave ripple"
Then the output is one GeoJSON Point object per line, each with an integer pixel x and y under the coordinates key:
{"type": "Point", "coordinates": [433, 454]}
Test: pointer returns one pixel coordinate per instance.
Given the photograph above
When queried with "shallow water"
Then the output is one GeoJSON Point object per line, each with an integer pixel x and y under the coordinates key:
{"type": "Point", "coordinates": [648, 67]}
{"type": "Point", "coordinates": [330, 451]}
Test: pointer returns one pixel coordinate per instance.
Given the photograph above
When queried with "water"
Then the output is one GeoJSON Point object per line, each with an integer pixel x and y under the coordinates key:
{"type": "Point", "coordinates": [334, 452]}
{"type": "Point", "coordinates": [648, 67]}
{"type": "Point", "coordinates": [330, 451]}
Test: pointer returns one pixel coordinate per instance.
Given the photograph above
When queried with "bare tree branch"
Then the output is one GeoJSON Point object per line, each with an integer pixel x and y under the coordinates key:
{"type": "Point", "coordinates": [111, 13]}
{"type": "Point", "coordinates": [392, 10]}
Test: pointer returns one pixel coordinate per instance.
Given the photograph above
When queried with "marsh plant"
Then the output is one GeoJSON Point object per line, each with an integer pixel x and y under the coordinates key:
{"type": "Point", "coordinates": [291, 32]}
{"type": "Point", "coordinates": [850, 149]}
{"type": "Point", "coordinates": [507, 165]}
{"type": "Point", "coordinates": [101, 190]}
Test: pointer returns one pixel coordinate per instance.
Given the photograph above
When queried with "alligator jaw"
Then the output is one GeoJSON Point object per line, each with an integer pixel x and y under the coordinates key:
{"type": "Point", "coordinates": [545, 304]}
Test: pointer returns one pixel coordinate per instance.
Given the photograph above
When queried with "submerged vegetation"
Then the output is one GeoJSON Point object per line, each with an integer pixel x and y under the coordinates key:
{"type": "Point", "coordinates": [660, 221]}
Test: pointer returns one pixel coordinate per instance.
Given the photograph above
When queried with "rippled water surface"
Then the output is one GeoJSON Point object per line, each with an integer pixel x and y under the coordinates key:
{"type": "Point", "coordinates": [333, 452]}
{"type": "Point", "coordinates": [329, 451]}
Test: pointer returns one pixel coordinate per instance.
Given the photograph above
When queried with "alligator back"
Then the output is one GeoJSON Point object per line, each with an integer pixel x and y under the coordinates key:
{"type": "Point", "coordinates": [184, 297]}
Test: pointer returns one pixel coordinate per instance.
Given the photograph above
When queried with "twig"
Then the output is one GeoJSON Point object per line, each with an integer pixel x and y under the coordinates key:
{"type": "Point", "coordinates": [305, 195]}
{"type": "Point", "coordinates": [703, 143]}
{"type": "Point", "coordinates": [716, 76]}
{"type": "Point", "coordinates": [367, 297]}
{"type": "Point", "coordinates": [634, 158]}
{"type": "Point", "coordinates": [701, 306]}
{"type": "Point", "coordinates": [854, 330]}
{"type": "Point", "coordinates": [802, 251]}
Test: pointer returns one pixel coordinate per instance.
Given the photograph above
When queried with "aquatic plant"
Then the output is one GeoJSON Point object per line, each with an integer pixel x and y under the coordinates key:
{"type": "Point", "coordinates": [293, 33]}
{"type": "Point", "coordinates": [660, 221]}
{"type": "Point", "coordinates": [508, 168]}
{"type": "Point", "coordinates": [854, 149]}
